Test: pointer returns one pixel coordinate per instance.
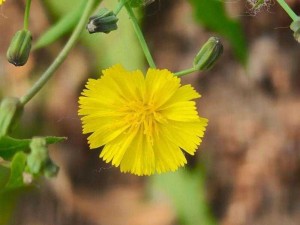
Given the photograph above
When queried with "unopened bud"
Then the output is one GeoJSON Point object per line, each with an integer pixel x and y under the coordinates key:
{"type": "Point", "coordinates": [38, 160]}
{"type": "Point", "coordinates": [10, 109]}
{"type": "Point", "coordinates": [295, 26]}
{"type": "Point", "coordinates": [19, 48]}
{"type": "Point", "coordinates": [208, 54]}
{"type": "Point", "coordinates": [104, 21]}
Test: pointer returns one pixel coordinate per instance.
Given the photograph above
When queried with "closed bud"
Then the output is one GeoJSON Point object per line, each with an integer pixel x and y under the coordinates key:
{"type": "Point", "coordinates": [19, 48]}
{"type": "Point", "coordinates": [38, 161]}
{"type": "Point", "coordinates": [295, 26]}
{"type": "Point", "coordinates": [10, 110]}
{"type": "Point", "coordinates": [104, 21]}
{"type": "Point", "coordinates": [208, 54]}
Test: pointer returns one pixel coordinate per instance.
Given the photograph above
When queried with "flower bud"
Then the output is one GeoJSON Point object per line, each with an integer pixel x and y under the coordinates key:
{"type": "Point", "coordinates": [38, 161]}
{"type": "Point", "coordinates": [104, 21]}
{"type": "Point", "coordinates": [10, 109]}
{"type": "Point", "coordinates": [19, 48]}
{"type": "Point", "coordinates": [208, 54]}
{"type": "Point", "coordinates": [295, 26]}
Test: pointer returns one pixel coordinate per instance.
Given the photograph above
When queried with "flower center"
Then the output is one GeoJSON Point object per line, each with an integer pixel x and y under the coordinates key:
{"type": "Point", "coordinates": [140, 115]}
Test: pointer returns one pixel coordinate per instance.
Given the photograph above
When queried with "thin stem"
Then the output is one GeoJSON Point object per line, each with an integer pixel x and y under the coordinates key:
{"type": "Point", "coordinates": [119, 6]}
{"type": "Point", "coordinates": [27, 13]}
{"type": "Point", "coordinates": [140, 35]}
{"type": "Point", "coordinates": [185, 72]}
{"type": "Point", "coordinates": [288, 10]}
{"type": "Point", "coordinates": [61, 56]}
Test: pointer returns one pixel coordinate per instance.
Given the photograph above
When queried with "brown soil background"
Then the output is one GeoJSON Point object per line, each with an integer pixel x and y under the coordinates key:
{"type": "Point", "coordinates": [251, 148]}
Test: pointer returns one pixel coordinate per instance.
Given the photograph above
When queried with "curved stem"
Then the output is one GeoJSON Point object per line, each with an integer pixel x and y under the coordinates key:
{"type": "Point", "coordinates": [61, 56]}
{"type": "Point", "coordinates": [140, 35]}
{"type": "Point", "coordinates": [27, 13]}
{"type": "Point", "coordinates": [288, 10]}
{"type": "Point", "coordinates": [119, 7]}
{"type": "Point", "coordinates": [185, 72]}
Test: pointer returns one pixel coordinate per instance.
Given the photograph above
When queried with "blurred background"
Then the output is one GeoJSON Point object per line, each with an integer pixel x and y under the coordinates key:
{"type": "Point", "coordinates": [246, 171]}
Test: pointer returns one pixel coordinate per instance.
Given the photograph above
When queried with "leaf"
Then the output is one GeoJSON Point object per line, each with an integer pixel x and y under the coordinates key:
{"type": "Point", "coordinates": [186, 192]}
{"type": "Point", "coordinates": [62, 27]}
{"type": "Point", "coordinates": [68, 21]}
{"type": "Point", "coordinates": [9, 146]}
{"type": "Point", "coordinates": [16, 172]}
{"type": "Point", "coordinates": [212, 14]}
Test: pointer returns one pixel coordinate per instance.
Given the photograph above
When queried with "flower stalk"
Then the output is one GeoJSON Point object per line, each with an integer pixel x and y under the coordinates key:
{"type": "Point", "coordinates": [140, 35]}
{"type": "Point", "coordinates": [119, 7]}
{"type": "Point", "coordinates": [61, 56]}
{"type": "Point", "coordinates": [26, 15]}
{"type": "Point", "coordinates": [288, 9]}
{"type": "Point", "coordinates": [185, 72]}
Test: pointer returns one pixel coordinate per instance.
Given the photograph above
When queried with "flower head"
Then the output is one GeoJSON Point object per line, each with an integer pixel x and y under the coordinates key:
{"type": "Point", "coordinates": [144, 122]}
{"type": "Point", "coordinates": [1, 2]}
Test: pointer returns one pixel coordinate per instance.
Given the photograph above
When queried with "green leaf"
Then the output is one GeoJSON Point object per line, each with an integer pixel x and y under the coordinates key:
{"type": "Point", "coordinates": [61, 28]}
{"type": "Point", "coordinates": [186, 192]}
{"type": "Point", "coordinates": [69, 18]}
{"type": "Point", "coordinates": [53, 139]}
{"type": "Point", "coordinates": [212, 15]}
{"type": "Point", "coordinates": [16, 172]}
{"type": "Point", "coordinates": [9, 146]}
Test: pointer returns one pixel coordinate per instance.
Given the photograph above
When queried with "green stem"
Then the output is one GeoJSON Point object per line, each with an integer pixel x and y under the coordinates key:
{"type": "Point", "coordinates": [185, 72]}
{"type": "Point", "coordinates": [27, 13]}
{"type": "Point", "coordinates": [140, 35]}
{"type": "Point", "coordinates": [119, 7]}
{"type": "Point", "coordinates": [61, 56]}
{"type": "Point", "coordinates": [288, 10]}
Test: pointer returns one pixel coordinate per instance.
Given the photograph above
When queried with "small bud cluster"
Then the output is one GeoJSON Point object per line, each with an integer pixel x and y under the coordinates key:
{"type": "Point", "coordinates": [295, 26]}
{"type": "Point", "coordinates": [257, 5]}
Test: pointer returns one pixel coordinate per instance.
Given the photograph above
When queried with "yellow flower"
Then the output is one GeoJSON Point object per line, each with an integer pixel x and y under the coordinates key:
{"type": "Point", "coordinates": [144, 122]}
{"type": "Point", "coordinates": [1, 1]}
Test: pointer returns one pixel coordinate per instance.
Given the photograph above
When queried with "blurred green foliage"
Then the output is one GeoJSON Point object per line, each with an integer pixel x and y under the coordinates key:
{"type": "Point", "coordinates": [9, 146]}
{"type": "Point", "coordinates": [64, 25]}
{"type": "Point", "coordinates": [212, 15]}
{"type": "Point", "coordinates": [186, 190]}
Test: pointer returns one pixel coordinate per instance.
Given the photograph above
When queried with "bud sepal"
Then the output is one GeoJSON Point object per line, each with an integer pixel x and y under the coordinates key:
{"type": "Point", "coordinates": [104, 21]}
{"type": "Point", "coordinates": [208, 54]}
